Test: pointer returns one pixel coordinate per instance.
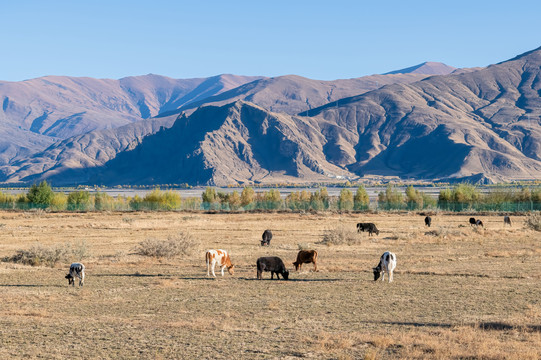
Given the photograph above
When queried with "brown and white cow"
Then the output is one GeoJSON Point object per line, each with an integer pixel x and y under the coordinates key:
{"type": "Point", "coordinates": [306, 257]}
{"type": "Point", "coordinates": [220, 257]}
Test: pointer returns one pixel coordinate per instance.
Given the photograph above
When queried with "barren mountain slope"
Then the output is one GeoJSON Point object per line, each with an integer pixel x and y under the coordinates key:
{"type": "Point", "coordinates": [428, 68]}
{"type": "Point", "coordinates": [294, 94]}
{"type": "Point", "coordinates": [236, 143]}
{"type": "Point", "coordinates": [81, 152]}
{"type": "Point", "coordinates": [37, 112]}
{"type": "Point", "coordinates": [455, 126]}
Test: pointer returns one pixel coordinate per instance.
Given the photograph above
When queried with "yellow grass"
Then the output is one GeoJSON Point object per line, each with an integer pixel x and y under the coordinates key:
{"type": "Point", "coordinates": [459, 292]}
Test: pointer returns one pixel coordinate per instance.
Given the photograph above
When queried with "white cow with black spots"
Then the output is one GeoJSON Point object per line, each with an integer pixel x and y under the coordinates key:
{"type": "Point", "coordinates": [387, 263]}
{"type": "Point", "coordinates": [76, 270]}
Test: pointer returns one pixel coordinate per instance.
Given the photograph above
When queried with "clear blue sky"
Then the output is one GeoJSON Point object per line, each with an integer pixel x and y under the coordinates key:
{"type": "Point", "coordinates": [317, 39]}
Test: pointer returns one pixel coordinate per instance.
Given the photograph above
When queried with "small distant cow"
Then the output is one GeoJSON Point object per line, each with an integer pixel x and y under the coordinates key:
{"type": "Point", "coordinates": [220, 257]}
{"type": "Point", "coordinates": [387, 263]}
{"type": "Point", "coordinates": [76, 270]}
{"type": "Point", "coordinates": [273, 264]}
{"type": "Point", "coordinates": [369, 227]}
{"type": "Point", "coordinates": [306, 257]}
{"type": "Point", "coordinates": [479, 223]}
{"type": "Point", "coordinates": [506, 220]}
{"type": "Point", "coordinates": [266, 238]}
{"type": "Point", "coordinates": [473, 221]}
{"type": "Point", "coordinates": [428, 221]}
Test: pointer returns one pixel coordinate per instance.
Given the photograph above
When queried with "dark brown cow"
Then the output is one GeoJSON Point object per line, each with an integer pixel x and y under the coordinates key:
{"type": "Point", "coordinates": [306, 257]}
{"type": "Point", "coordinates": [266, 238]}
{"type": "Point", "coordinates": [273, 264]}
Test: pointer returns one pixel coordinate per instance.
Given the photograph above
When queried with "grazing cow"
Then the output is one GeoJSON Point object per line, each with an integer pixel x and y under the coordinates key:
{"type": "Point", "coordinates": [76, 270]}
{"type": "Point", "coordinates": [479, 223]}
{"type": "Point", "coordinates": [306, 257]}
{"type": "Point", "coordinates": [220, 257]}
{"type": "Point", "coordinates": [273, 264]}
{"type": "Point", "coordinates": [370, 227]}
{"type": "Point", "coordinates": [428, 221]}
{"type": "Point", "coordinates": [473, 221]}
{"type": "Point", "coordinates": [387, 263]}
{"type": "Point", "coordinates": [506, 220]}
{"type": "Point", "coordinates": [267, 237]}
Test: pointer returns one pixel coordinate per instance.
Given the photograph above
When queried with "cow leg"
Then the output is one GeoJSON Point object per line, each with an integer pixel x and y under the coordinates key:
{"type": "Point", "coordinates": [272, 275]}
{"type": "Point", "coordinates": [277, 276]}
{"type": "Point", "coordinates": [390, 276]}
{"type": "Point", "coordinates": [212, 267]}
{"type": "Point", "coordinates": [223, 267]}
{"type": "Point", "coordinates": [315, 266]}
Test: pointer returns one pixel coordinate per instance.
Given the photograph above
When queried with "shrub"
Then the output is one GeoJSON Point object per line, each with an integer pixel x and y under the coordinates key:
{"type": "Point", "coordinates": [320, 199]}
{"type": "Point", "coordinates": [79, 200]}
{"type": "Point", "coordinates": [7, 200]}
{"type": "Point", "coordinates": [103, 201]}
{"type": "Point", "coordinates": [59, 201]}
{"type": "Point", "coordinates": [183, 243]}
{"type": "Point", "coordinates": [40, 195]}
{"type": "Point", "coordinates": [392, 198]}
{"type": "Point", "coordinates": [191, 203]}
{"type": "Point", "coordinates": [165, 200]}
{"type": "Point", "coordinates": [533, 221]}
{"type": "Point", "coordinates": [340, 236]}
{"type": "Point", "coordinates": [50, 255]}
{"type": "Point", "coordinates": [234, 200]}
{"type": "Point", "coordinates": [136, 202]}
{"type": "Point", "coordinates": [466, 193]}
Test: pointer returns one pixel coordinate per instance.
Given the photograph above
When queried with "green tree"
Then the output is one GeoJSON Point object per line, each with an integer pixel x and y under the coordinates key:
{"type": "Point", "coordinates": [209, 198]}
{"type": "Point", "coordinates": [273, 199]}
{"type": "Point", "coordinates": [247, 196]}
{"type": "Point", "coordinates": [361, 200]}
{"type": "Point", "coordinates": [345, 200]}
{"type": "Point", "coordinates": [209, 195]}
{"type": "Point", "coordinates": [40, 195]}
{"type": "Point", "coordinates": [234, 200]}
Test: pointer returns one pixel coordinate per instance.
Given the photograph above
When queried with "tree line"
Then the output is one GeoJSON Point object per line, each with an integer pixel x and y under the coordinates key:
{"type": "Point", "coordinates": [458, 198]}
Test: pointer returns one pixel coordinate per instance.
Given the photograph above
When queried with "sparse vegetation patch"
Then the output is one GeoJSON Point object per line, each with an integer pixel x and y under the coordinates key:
{"type": "Point", "coordinates": [181, 244]}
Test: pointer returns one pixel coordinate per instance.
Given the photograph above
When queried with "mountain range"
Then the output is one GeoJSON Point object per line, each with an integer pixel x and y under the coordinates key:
{"type": "Point", "coordinates": [429, 121]}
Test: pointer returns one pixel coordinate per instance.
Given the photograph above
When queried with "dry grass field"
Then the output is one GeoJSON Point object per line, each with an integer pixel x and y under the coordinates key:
{"type": "Point", "coordinates": [459, 292]}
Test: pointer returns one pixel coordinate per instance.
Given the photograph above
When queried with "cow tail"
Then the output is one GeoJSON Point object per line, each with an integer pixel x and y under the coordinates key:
{"type": "Point", "coordinates": [207, 260]}
{"type": "Point", "coordinates": [315, 255]}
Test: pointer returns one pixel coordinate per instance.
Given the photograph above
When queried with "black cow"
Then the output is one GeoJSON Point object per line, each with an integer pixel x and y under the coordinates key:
{"type": "Point", "coordinates": [479, 223]}
{"type": "Point", "coordinates": [267, 237]}
{"type": "Point", "coordinates": [370, 227]}
{"type": "Point", "coordinates": [360, 226]}
{"type": "Point", "coordinates": [428, 221]}
{"type": "Point", "coordinates": [273, 264]}
{"type": "Point", "coordinates": [473, 221]}
{"type": "Point", "coordinates": [506, 220]}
